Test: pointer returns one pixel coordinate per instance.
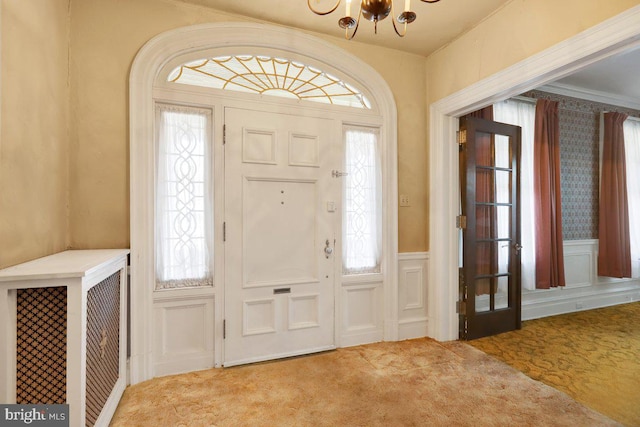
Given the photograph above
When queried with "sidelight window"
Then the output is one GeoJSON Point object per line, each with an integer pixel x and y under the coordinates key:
{"type": "Point", "coordinates": [184, 235]}
{"type": "Point", "coordinates": [362, 215]}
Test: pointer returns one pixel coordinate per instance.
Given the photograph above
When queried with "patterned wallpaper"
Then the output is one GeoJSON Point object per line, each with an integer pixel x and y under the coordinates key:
{"type": "Point", "coordinates": [579, 162]}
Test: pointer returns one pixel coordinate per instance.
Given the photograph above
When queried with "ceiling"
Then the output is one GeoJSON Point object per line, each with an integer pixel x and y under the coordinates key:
{"type": "Point", "coordinates": [436, 25]}
{"type": "Point", "coordinates": [615, 76]}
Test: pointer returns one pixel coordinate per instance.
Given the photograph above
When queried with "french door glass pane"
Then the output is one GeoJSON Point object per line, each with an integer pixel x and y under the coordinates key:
{"type": "Point", "coordinates": [502, 151]}
{"type": "Point", "coordinates": [492, 293]}
{"type": "Point", "coordinates": [502, 295]}
{"type": "Point", "coordinates": [493, 222]}
{"type": "Point", "coordinates": [484, 151]}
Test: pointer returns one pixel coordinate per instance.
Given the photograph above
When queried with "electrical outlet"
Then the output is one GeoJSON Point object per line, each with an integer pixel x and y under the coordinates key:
{"type": "Point", "coordinates": [404, 200]}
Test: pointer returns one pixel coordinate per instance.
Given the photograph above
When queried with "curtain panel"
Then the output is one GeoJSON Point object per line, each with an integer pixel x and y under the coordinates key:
{"type": "Point", "coordinates": [483, 113]}
{"type": "Point", "coordinates": [614, 256]}
{"type": "Point", "coordinates": [548, 206]}
{"type": "Point", "coordinates": [522, 113]}
{"type": "Point", "coordinates": [632, 158]}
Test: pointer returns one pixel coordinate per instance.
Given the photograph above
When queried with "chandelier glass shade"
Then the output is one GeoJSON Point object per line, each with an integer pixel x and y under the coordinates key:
{"type": "Point", "coordinates": [371, 10]}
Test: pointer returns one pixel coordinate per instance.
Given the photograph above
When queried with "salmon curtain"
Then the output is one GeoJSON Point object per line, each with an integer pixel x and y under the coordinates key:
{"type": "Point", "coordinates": [614, 257]}
{"type": "Point", "coordinates": [486, 217]}
{"type": "Point", "coordinates": [546, 188]}
{"type": "Point", "coordinates": [484, 113]}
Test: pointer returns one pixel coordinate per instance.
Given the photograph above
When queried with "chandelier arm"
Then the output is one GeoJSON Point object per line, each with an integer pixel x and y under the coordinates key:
{"type": "Point", "coordinates": [335, 6]}
{"type": "Point", "coordinates": [373, 14]}
{"type": "Point", "coordinates": [355, 30]}
{"type": "Point", "coordinates": [395, 27]}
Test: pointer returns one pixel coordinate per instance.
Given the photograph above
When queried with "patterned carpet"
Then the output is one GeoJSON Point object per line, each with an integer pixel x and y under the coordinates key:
{"type": "Point", "coordinates": [593, 356]}
{"type": "Point", "coordinates": [409, 383]}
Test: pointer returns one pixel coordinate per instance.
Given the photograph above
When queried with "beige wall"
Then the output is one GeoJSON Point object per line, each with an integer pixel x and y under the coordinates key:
{"type": "Point", "coordinates": [34, 134]}
{"type": "Point", "coordinates": [107, 34]}
{"type": "Point", "coordinates": [522, 28]}
{"type": "Point", "coordinates": [517, 31]}
{"type": "Point", "coordinates": [64, 148]}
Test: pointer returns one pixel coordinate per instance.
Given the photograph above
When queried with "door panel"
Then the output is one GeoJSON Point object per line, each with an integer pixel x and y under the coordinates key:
{"type": "Point", "coordinates": [274, 209]}
{"type": "Point", "coordinates": [490, 273]}
{"type": "Point", "coordinates": [280, 235]}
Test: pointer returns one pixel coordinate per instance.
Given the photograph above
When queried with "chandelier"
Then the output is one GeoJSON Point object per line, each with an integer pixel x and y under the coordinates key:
{"type": "Point", "coordinates": [374, 11]}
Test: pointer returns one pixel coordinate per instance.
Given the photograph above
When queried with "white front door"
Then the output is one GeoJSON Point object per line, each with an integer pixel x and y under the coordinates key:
{"type": "Point", "coordinates": [281, 209]}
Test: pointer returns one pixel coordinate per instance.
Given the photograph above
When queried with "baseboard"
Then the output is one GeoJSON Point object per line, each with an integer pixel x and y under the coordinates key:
{"type": "Point", "coordinates": [414, 328]}
{"type": "Point", "coordinates": [180, 366]}
{"type": "Point", "coordinates": [352, 339]}
{"type": "Point", "coordinates": [565, 301]}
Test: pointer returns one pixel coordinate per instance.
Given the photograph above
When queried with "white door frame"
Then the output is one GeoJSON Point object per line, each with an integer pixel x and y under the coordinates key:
{"type": "Point", "coordinates": [151, 58]}
{"type": "Point", "coordinates": [610, 37]}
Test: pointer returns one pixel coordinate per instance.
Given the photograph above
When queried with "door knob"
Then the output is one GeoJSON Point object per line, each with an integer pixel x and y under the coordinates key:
{"type": "Point", "coordinates": [328, 250]}
{"type": "Point", "coordinates": [517, 247]}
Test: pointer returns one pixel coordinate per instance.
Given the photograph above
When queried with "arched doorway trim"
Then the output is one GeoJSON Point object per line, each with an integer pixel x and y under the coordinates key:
{"type": "Point", "coordinates": [152, 57]}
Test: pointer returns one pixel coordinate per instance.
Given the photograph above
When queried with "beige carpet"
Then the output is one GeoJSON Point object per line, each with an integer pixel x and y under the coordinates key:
{"type": "Point", "coordinates": [409, 383]}
{"type": "Point", "coordinates": [593, 356]}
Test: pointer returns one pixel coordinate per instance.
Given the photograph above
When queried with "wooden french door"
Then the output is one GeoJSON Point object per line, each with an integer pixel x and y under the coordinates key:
{"type": "Point", "coordinates": [281, 208]}
{"type": "Point", "coordinates": [490, 290]}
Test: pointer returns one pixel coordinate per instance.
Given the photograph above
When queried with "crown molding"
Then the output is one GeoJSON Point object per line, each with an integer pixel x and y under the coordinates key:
{"type": "Point", "coordinates": [591, 95]}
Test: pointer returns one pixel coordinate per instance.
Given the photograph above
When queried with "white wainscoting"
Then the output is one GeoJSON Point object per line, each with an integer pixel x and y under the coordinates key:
{"type": "Point", "coordinates": [584, 290]}
{"type": "Point", "coordinates": [413, 274]}
{"type": "Point", "coordinates": [362, 307]}
{"type": "Point", "coordinates": [361, 311]}
{"type": "Point", "coordinates": [184, 319]}
{"type": "Point", "coordinates": [184, 330]}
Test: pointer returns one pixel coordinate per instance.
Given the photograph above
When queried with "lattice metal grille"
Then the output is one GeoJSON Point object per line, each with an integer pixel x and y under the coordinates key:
{"type": "Point", "coordinates": [41, 334]}
{"type": "Point", "coordinates": [103, 344]}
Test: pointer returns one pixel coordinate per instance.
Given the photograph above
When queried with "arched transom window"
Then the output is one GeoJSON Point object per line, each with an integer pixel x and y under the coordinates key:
{"type": "Point", "coordinates": [269, 76]}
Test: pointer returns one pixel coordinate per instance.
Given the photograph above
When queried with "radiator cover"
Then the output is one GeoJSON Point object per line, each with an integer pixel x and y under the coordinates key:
{"type": "Point", "coordinates": [65, 334]}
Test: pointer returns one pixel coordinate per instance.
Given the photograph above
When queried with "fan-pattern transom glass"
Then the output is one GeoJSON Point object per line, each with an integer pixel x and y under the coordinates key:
{"type": "Point", "coordinates": [269, 76]}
